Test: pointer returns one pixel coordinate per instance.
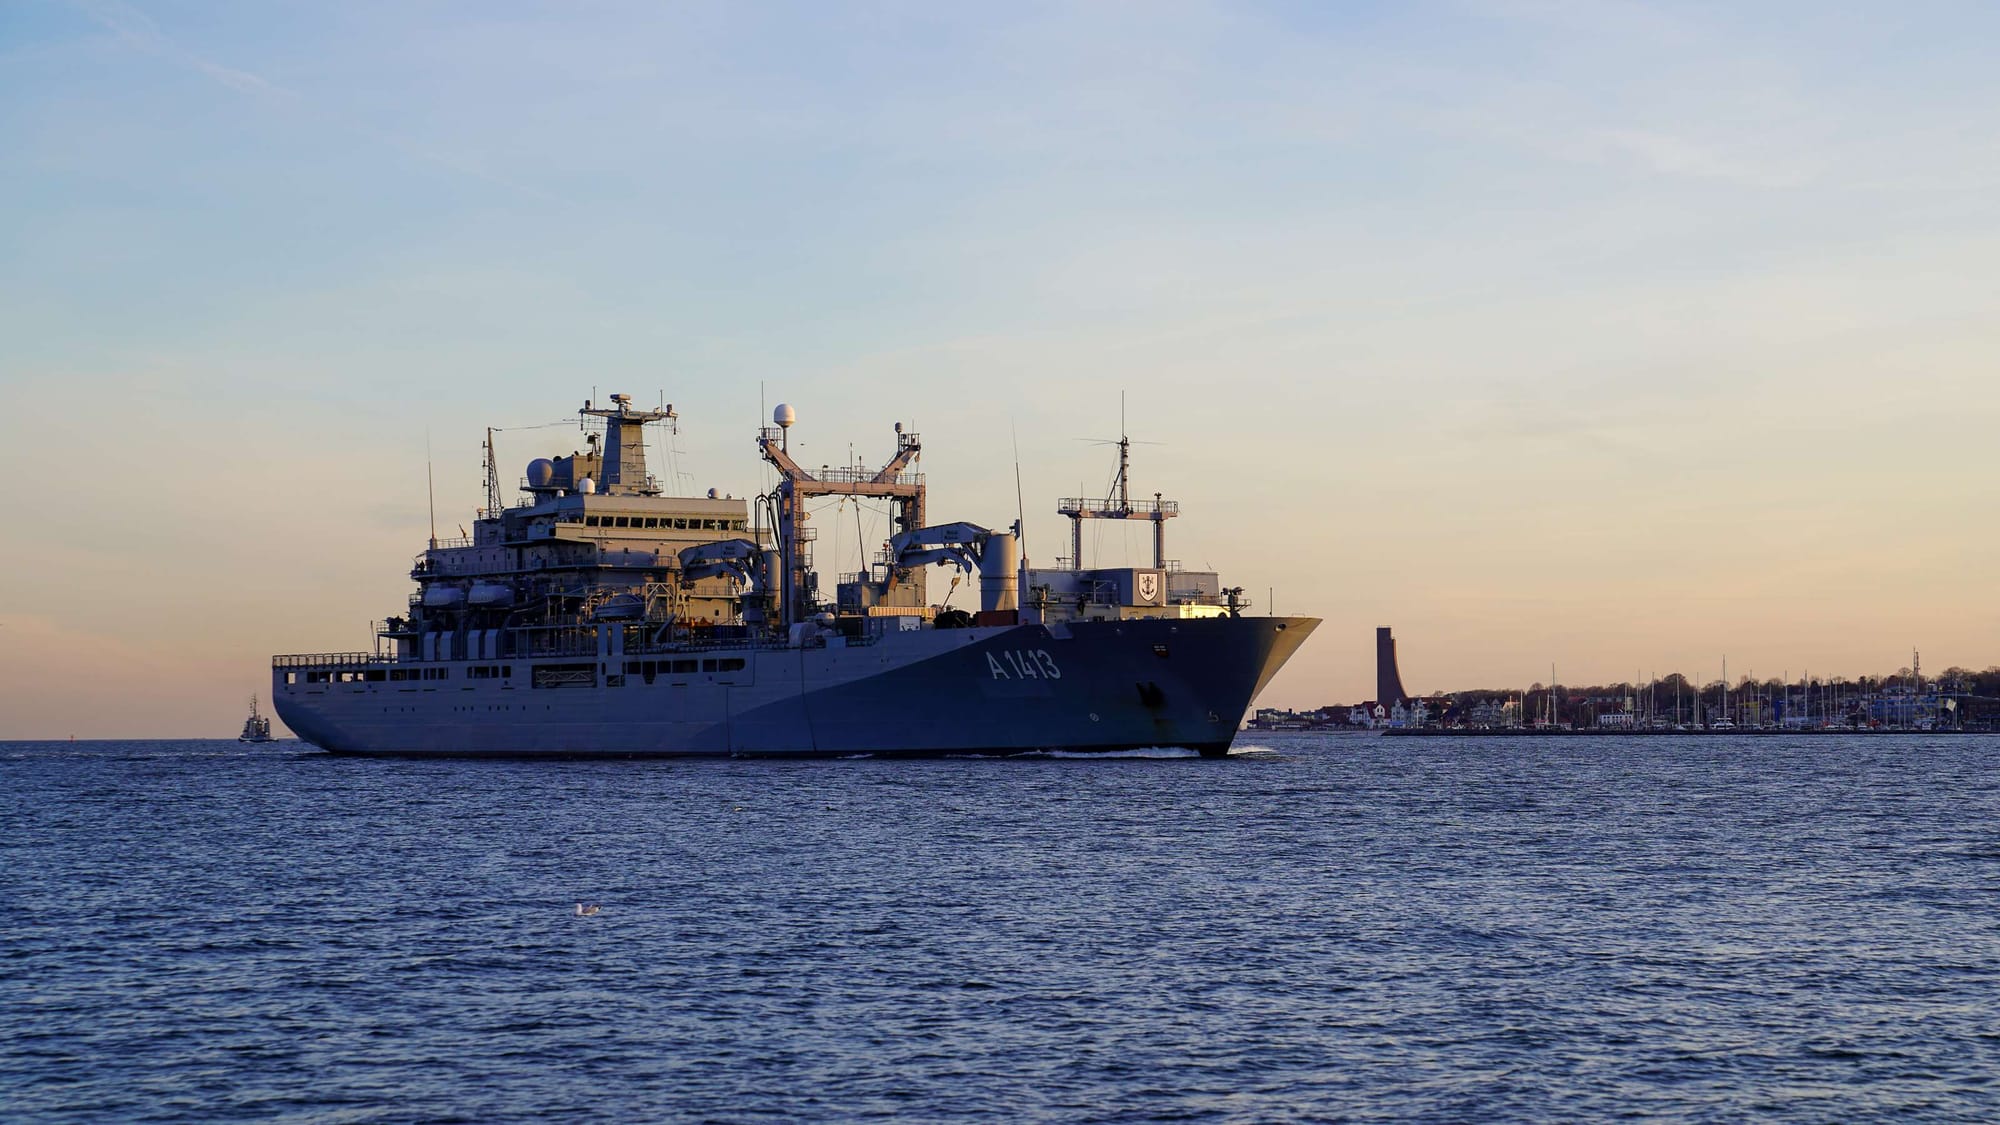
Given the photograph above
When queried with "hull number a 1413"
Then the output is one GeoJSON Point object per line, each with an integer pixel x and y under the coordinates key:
{"type": "Point", "coordinates": [1023, 664]}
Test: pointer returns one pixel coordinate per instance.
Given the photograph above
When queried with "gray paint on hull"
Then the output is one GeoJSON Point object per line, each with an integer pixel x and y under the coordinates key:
{"type": "Point", "coordinates": [1119, 685]}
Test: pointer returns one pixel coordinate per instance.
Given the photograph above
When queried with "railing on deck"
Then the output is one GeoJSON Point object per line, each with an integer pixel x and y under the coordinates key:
{"type": "Point", "coordinates": [864, 476]}
{"type": "Point", "coordinates": [330, 660]}
{"type": "Point", "coordinates": [1071, 505]}
{"type": "Point", "coordinates": [571, 645]}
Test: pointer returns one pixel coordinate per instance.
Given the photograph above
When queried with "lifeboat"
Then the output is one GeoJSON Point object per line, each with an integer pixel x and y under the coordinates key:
{"type": "Point", "coordinates": [620, 607]}
{"type": "Point", "coordinates": [490, 594]}
{"type": "Point", "coordinates": [443, 597]}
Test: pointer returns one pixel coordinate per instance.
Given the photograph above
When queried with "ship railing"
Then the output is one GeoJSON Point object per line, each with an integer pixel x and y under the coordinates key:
{"type": "Point", "coordinates": [496, 513]}
{"type": "Point", "coordinates": [865, 476]}
{"type": "Point", "coordinates": [330, 659]}
{"type": "Point", "coordinates": [585, 646]}
{"type": "Point", "coordinates": [425, 563]}
{"type": "Point", "coordinates": [1075, 505]}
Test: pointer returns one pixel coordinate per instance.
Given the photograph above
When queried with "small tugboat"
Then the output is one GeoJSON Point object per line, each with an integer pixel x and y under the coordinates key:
{"type": "Point", "coordinates": [256, 728]}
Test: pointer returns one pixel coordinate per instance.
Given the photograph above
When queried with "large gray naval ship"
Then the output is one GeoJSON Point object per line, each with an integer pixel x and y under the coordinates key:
{"type": "Point", "coordinates": [599, 616]}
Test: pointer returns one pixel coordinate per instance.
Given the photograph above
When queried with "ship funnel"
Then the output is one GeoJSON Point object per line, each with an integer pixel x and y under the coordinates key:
{"type": "Point", "coordinates": [999, 571]}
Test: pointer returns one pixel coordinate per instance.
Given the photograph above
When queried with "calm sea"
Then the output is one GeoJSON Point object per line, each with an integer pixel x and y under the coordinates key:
{"type": "Point", "coordinates": [1329, 928]}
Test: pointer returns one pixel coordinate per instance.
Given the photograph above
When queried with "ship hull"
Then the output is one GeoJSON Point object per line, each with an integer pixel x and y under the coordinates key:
{"type": "Point", "coordinates": [1085, 687]}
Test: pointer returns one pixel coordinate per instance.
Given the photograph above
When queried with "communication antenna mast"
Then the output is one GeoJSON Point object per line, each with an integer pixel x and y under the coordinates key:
{"type": "Point", "coordinates": [1020, 505]}
{"type": "Point", "coordinates": [492, 480]}
{"type": "Point", "coordinates": [430, 489]}
{"type": "Point", "coordinates": [1119, 506]}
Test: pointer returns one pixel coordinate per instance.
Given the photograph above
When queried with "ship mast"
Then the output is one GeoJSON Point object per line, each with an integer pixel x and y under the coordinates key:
{"type": "Point", "coordinates": [624, 466]}
{"type": "Point", "coordinates": [1120, 507]}
{"type": "Point", "coordinates": [893, 481]}
{"type": "Point", "coordinates": [493, 501]}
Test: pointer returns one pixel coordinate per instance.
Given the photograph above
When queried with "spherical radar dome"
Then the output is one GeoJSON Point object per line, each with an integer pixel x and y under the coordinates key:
{"type": "Point", "coordinates": [784, 415]}
{"type": "Point", "coordinates": [540, 472]}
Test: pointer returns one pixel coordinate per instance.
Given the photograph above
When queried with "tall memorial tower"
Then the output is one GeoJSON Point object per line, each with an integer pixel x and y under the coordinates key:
{"type": "Point", "coordinates": [1388, 680]}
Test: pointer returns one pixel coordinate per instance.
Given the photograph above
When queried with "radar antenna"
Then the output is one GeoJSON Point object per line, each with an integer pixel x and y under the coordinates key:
{"type": "Point", "coordinates": [1120, 506]}
{"type": "Point", "coordinates": [493, 501]}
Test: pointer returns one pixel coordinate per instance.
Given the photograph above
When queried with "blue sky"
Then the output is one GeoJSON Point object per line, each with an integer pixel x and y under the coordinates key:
{"type": "Point", "coordinates": [1619, 334]}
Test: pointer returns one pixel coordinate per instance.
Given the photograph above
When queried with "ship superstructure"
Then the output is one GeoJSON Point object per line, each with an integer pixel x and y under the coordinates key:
{"type": "Point", "coordinates": [600, 615]}
{"type": "Point", "coordinates": [256, 728]}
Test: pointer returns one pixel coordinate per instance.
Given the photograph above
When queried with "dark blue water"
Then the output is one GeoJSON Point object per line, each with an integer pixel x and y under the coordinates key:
{"type": "Point", "coordinates": [1341, 928]}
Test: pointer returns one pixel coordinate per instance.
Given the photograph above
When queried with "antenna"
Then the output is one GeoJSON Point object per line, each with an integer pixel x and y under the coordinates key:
{"type": "Point", "coordinates": [430, 488]}
{"type": "Point", "coordinates": [1020, 505]}
{"type": "Point", "coordinates": [492, 481]}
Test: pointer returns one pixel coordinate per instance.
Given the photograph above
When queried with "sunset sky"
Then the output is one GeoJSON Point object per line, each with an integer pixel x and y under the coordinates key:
{"type": "Point", "coordinates": [1610, 334]}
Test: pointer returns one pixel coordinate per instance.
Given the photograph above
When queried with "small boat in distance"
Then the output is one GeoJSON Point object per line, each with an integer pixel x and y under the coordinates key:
{"type": "Point", "coordinates": [256, 728]}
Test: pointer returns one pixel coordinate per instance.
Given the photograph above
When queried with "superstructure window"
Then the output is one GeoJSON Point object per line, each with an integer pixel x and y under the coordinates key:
{"type": "Point", "coordinates": [646, 668]}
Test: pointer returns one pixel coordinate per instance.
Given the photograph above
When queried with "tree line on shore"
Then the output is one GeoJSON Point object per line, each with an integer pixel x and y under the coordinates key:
{"type": "Point", "coordinates": [1675, 693]}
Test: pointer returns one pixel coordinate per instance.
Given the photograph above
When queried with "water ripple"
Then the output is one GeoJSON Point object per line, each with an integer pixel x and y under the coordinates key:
{"type": "Point", "coordinates": [1320, 928]}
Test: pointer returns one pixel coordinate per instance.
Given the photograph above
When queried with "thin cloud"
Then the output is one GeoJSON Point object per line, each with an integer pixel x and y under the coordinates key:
{"type": "Point", "coordinates": [1678, 156]}
{"type": "Point", "coordinates": [1625, 18]}
{"type": "Point", "coordinates": [137, 30]}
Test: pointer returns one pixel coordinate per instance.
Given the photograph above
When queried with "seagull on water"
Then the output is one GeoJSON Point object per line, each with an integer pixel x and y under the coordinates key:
{"type": "Point", "coordinates": [586, 909]}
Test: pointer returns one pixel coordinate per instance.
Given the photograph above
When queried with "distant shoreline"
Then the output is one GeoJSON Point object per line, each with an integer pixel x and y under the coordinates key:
{"type": "Point", "coordinates": [1613, 732]}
